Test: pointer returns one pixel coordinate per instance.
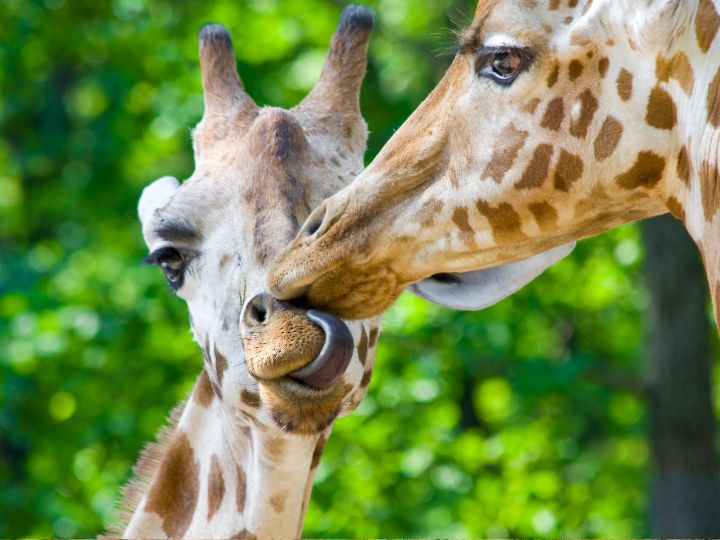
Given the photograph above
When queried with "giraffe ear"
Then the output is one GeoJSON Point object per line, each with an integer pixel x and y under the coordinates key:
{"type": "Point", "coordinates": [154, 197]}
{"type": "Point", "coordinates": [483, 288]}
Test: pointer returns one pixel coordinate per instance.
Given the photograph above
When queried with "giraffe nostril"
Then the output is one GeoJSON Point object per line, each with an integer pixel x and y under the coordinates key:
{"type": "Point", "coordinates": [314, 222]}
{"type": "Point", "coordinates": [257, 311]}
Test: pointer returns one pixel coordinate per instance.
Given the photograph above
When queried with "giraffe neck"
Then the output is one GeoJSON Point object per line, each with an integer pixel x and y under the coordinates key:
{"type": "Point", "coordinates": [691, 72]}
{"type": "Point", "coordinates": [218, 475]}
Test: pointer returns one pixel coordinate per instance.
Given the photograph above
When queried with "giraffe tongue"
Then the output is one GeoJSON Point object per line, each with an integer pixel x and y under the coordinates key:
{"type": "Point", "coordinates": [334, 357]}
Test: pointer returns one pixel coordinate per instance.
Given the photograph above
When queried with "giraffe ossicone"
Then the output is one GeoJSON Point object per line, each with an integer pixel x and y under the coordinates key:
{"type": "Point", "coordinates": [239, 456]}
{"type": "Point", "coordinates": [557, 120]}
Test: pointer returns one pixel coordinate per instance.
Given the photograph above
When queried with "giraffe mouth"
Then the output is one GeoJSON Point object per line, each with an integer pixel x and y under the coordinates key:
{"type": "Point", "coordinates": [334, 357]}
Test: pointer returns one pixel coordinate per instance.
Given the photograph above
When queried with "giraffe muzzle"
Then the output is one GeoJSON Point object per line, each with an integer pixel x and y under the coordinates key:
{"type": "Point", "coordinates": [282, 340]}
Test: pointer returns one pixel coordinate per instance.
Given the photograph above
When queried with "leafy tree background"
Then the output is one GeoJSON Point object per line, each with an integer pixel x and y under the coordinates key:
{"type": "Point", "coordinates": [527, 419]}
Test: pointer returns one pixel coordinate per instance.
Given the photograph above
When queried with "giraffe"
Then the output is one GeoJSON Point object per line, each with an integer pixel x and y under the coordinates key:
{"type": "Point", "coordinates": [557, 120]}
{"type": "Point", "coordinates": [239, 455]}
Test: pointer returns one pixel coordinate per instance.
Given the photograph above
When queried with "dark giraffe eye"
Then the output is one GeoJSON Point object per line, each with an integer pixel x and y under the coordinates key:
{"type": "Point", "coordinates": [502, 64]}
{"type": "Point", "coordinates": [172, 263]}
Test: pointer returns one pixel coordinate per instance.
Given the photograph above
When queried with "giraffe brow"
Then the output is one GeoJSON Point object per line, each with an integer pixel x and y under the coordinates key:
{"type": "Point", "coordinates": [175, 230]}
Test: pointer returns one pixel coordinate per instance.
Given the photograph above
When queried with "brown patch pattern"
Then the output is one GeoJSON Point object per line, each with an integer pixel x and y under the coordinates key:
{"type": "Point", "coordinates": [374, 333]}
{"type": "Point", "coordinates": [679, 68]}
{"type": "Point", "coordinates": [608, 139]}
{"type": "Point", "coordinates": [575, 69]}
{"type": "Point", "coordinates": [545, 215]}
{"type": "Point", "coordinates": [251, 399]}
{"type": "Point", "coordinates": [676, 208]}
{"type": "Point", "coordinates": [240, 490]}
{"type": "Point", "coordinates": [568, 171]}
{"type": "Point", "coordinates": [646, 172]}
{"type": "Point", "coordinates": [603, 66]}
{"type": "Point", "coordinates": [713, 101]}
{"type": "Point", "coordinates": [221, 365]}
{"type": "Point", "coordinates": [553, 76]}
{"type": "Point", "coordinates": [661, 110]}
{"type": "Point", "coordinates": [707, 22]}
{"type": "Point", "coordinates": [461, 220]}
{"type": "Point", "coordinates": [278, 501]}
{"type": "Point", "coordinates": [625, 84]}
{"type": "Point", "coordinates": [429, 211]}
{"type": "Point", "coordinates": [588, 107]}
{"type": "Point", "coordinates": [554, 114]}
{"type": "Point", "coordinates": [504, 154]}
{"type": "Point", "coordinates": [710, 184]}
{"type": "Point", "coordinates": [530, 106]}
{"type": "Point", "coordinates": [203, 393]}
{"type": "Point", "coordinates": [537, 170]}
{"type": "Point", "coordinates": [173, 494]}
{"type": "Point", "coordinates": [503, 219]}
{"type": "Point", "coordinates": [683, 166]}
{"type": "Point", "coordinates": [362, 346]}
{"type": "Point", "coordinates": [216, 487]}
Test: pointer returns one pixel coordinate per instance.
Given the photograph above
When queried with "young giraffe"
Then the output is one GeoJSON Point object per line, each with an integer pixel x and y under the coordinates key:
{"type": "Point", "coordinates": [239, 458]}
{"type": "Point", "coordinates": [557, 120]}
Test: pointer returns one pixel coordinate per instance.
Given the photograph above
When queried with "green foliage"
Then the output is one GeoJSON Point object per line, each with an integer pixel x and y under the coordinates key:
{"type": "Point", "coordinates": [522, 420]}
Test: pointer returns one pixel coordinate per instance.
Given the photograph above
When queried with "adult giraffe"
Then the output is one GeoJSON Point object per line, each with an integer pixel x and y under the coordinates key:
{"type": "Point", "coordinates": [240, 455]}
{"type": "Point", "coordinates": [557, 120]}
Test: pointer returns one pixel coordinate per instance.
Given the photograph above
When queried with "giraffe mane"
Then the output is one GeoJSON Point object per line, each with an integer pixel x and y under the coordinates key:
{"type": "Point", "coordinates": [142, 473]}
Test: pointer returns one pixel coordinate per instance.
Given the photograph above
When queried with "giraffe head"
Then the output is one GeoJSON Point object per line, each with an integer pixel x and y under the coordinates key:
{"type": "Point", "coordinates": [557, 120]}
{"type": "Point", "coordinates": [258, 172]}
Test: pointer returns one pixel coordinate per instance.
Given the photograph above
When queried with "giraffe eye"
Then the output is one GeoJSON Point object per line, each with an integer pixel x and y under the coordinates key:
{"type": "Point", "coordinates": [171, 262]}
{"type": "Point", "coordinates": [502, 64]}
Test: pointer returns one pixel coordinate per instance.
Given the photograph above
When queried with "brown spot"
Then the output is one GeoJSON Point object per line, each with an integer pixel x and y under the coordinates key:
{"type": "Point", "coordinates": [504, 154]}
{"type": "Point", "coordinates": [317, 453]}
{"type": "Point", "coordinates": [362, 347]}
{"type": "Point", "coordinates": [603, 66]}
{"type": "Point", "coordinates": [568, 171]}
{"type": "Point", "coordinates": [244, 535]}
{"type": "Point", "coordinates": [553, 75]}
{"type": "Point", "coordinates": [608, 138]}
{"type": "Point", "coordinates": [374, 332]}
{"type": "Point", "coordinates": [251, 399]}
{"type": "Point", "coordinates": [530, 106]}
{"type": "Point", "coordinates": [676, 208]}
{"type": "Point", "coordinates": [554, 4]}
{"type": "Point", "coordinates": [554, 114]}
{"type": "Point", "coordinates": [216, 487]}
{"type": "Point", "coordinates": [707, 22]}
{"type": "Point", "coordinates": [683, 166]}
{"type": "Point", "coordinates": [537, 170]}
{"type": "Point", "coordinates": [679, 68]}
{"type": "Point", "coordinates": [713, 101]}
{"type": "Point", "coordinates": [625, 84]}
{"type": "Point", "coordinates": [588, 107]}
{"type": "Point", "coordinates": [203, 393]}
{"type": "Point", "coordinates": [366, 379]}
{"type": "Point", "coordinates": [429, 211]}
{"type": "Point", "coordinates": [224, 260]}
{"type": "Point", "coordinates": [240, 490]}
{"type": "Point", "coordinates": [661, 110]}
{"type": "Point", "coordinates": [504, 221]}
{"type": "Point", "coordinates": [220, 366]}
{"type": "Point", "coordinates": [545, 215]}
{"type": "Point", "coordinates": [572, 3]}
{"type": "Point", "coordinates": [278, 501]}
{"type": "Point", "coordinates": [461, 220]}
{"type": "Point", "coordinates": [646, 172]}
{"type": "Point", "coordinates": [575, 69]}
{"type": "Point", "coordinates": [710, 184]}
{"type": "Point", "coordinates": [173, 494]}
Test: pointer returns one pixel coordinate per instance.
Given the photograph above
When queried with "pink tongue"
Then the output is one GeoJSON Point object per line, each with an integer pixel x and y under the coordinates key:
{"type": "Point", "coordinates": [334, 357]}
